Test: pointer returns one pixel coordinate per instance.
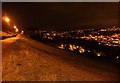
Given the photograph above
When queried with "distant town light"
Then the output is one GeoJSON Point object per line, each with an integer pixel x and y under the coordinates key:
{"type": "Point", "coordinates": [77, 46]}
{"type": "Point", "coordinates": [88, 50]}
{"type": "Point", "coordinates": [117, 57]}
{"type": "Point", "coordinates": [61, 47]}
{"type": "Point", "coordinates": [54, 34]}
{"type": "Point", "coordinates": [98, 54]}
{"type": "Point", "coordinates": [81, 50]}
{"type": "Point", "coordinates": [71, 47]}
{"type": "Point", "coordinates": [48, 34]}
{"type": "Point", "coordinates": [74, 47]}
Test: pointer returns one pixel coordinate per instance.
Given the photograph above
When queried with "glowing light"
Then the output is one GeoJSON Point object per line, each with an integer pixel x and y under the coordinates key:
{"type": "Point", "coordinates": [49, 37]}
{"type": "Point", "coordinates": [98, 54]}
{"type": "Point", "coordinates": [54, 34]}
{"type": "Point", "coordinates": [61, 47]}
{"type": "Point", "coordinates": [74, 47]}
{"type": "Point", "coordinates": [81, 50]}
{"type": "Point", "coordinates": [117, 57]}
{"type": "Point", "coordinates": [22, 32]}
{"type": "Point", "coordinates": [16, 30]}
{"type": "Point", "coordinates": [61, 36]}
{"type": "Point", "coordinates": [48, 34]}
{"type": "Point", "coordinates": [71, 47]}
{"type": "Point", "coordinates": [77, 46]}
{"type": "Point", "coordinates": [15, 27]}
{"type": "Point", "coordinates": [6, 19]}
{"type": "Point", "coordinates": [88, 50]}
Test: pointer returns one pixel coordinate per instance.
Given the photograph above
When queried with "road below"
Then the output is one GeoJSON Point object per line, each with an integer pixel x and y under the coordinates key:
{"type": "Point", "coordinates": [25, 59]}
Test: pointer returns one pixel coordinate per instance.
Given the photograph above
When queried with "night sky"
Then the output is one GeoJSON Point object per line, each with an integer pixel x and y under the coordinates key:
{"type": "Point", "coordinates": [61, 15]}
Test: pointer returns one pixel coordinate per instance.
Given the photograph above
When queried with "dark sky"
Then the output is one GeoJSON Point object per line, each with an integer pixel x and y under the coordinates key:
{"type": "Point", "coordinates": [61, 15]}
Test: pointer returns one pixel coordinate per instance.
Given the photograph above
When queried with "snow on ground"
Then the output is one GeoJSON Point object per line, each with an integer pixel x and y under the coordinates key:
{"type": "Point", "coordinates": [29, 60]}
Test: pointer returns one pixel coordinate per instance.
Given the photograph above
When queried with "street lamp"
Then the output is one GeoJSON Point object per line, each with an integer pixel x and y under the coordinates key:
{"type": "Point", "coordinates": [15, 27]}
{"type": "Point", "coordinates": [22, 32]}
{"type": "Point", "coordinates": [6, 19]}
{"type": "Point", "coordinates": [16, 30]}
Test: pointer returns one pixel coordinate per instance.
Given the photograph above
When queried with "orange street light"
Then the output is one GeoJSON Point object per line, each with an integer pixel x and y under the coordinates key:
{"type": "Point", "coordinates": [7, 19]}
{"type": "Point", "coordinates": [22, 32]}
{"type": "Point", "coordinates": [15, 27]}
{"type": "Point", "coordinates": [16, 30]}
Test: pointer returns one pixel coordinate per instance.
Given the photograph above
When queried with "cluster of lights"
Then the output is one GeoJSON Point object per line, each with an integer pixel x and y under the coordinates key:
{"type": "Point", "coordinates": [113, 40]}
{"type": "Point", "coordinates": [16, 29]}
{"type": "Point", "coordinates": [80, 49]}
{"type": "Point", "coordinates": [7, 20]}
{"type": "Point", "coordinates": [73, 48]}
{"type": "Point", "coordinates": [111, 29]}
{"type": "Point", "coordinates": [110, 40]}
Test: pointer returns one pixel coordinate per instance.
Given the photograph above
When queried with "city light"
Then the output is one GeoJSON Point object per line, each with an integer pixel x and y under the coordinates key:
{"type": "Point", "coordinates": [71, 47]}
{"type": "Point", "coordinates": [81, 50]}
{"type": "Point", "coordinates": [117, 57]}
{"type": "Point", "coordinates": [61, 47]}
{"type": "Point", "coordinates": [98, 54]}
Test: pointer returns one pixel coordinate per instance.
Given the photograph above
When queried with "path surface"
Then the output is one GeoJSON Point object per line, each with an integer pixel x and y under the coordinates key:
{"type": "Point", "coordinates": [29, 60]}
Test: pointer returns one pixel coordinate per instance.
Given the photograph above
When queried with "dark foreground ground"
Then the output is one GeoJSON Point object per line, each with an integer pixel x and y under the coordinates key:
{"type": "Point", "coordinates": [25, 59]}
